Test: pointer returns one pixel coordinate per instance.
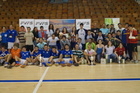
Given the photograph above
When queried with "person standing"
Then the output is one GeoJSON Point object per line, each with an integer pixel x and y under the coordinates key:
{"type": "Point", "coordinates": [81, 33]}
{"type": "Point", "coordinates": [29, 39]}
{"type": "Point", "coordinates": [21, 38]}
{"type": "Point", "coordinates": [35, 33]}
{"type": "Point", "coordinates": [12, 36]}
{"type": "Point", "coordinates": [50, 31]}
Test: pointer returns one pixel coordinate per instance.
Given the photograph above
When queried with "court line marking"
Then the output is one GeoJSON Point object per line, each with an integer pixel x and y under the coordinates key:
{"type": "Point", "coordinates": [70, 80]}
{"type": "Point", "coordinates": [41, 79]}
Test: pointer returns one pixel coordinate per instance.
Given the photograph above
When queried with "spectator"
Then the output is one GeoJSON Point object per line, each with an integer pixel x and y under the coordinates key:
{"type": "Point", "coordinates": [41, 43]}
{"type": "Point", "coordinates": [89, 35]}
{"type": "Point", "coordinates": [120, 27]}
{"type": "Point", "coordinates": [52, 41]}
{"type": "Point", "coordinates": [64, 41]}
{"type": "Point", "coordinates": [112, 29]}
{"type": "Point", "coordinates": [79, 42]}
{"type": "Point", "coordinates": [104, 30]}
{"type": "Point", "coordinates": [120, 52]}
{"type": "Point", "coordinates": [95, 29]}
{"type": "Point", "coordinates": [100, 36]}
{"type": "Point", "coordinates": [90, 42]}
{"type": "Point", "coordinates": [133, 39]}
{"type": "Point", "coordinates": [21, 38]}
{"type": "Point", "coordinates": [35, 33]}
{"type": "Point", "coordinates": [73, 37]}
{"type": "Point", "coordinates": [77, 54]}
{"type": "Point", "coordinates": [29, 39]}
{"type": "Point", "coordinates": [110, 51]}
{"type": "Point", "coordinates": [89, 52]}
{"type": "Point", "coordinates": [42, 33]}
{"type": "Point", "coordinates": [81, 33]}
{"type": "Point", "coordinates": [99, 50]}
{"type": "Point", "coordinates": [50, 30]}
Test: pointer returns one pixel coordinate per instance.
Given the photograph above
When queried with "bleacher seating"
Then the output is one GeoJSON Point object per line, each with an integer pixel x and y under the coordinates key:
{"type": "Point", "coordinates": [127, 10]}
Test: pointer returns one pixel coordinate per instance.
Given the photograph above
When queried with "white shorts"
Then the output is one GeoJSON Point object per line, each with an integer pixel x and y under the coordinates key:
{"type": "Point", "coordinates": [56, 60]}
{"type": "Point", "coordinates": [45, 59]}
{"type": "Point", "coordinates": [10, 45]}
{"type": "Point", "coordinates": [22, 61]}
{"type": "Point", "coordinates": [66, 60]}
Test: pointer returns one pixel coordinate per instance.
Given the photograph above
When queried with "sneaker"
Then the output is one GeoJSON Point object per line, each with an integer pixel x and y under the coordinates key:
{"type": "Point", "coordinates": [23, 66]}
{"type": "Point", "coordinates": [56, 64]}
{"type": "Point", "coordinates": [9, 66]}
{"type": "Point", "coordinates": [16, 65]}
{"type": "Point", "coordinates": [5, 65]}
{"type": "Point", "coordinates": [94, 63]}
{"type": "Point", "coordinates": [132, 61]}
{"type": "Point", "coordinates": [136, 61]}
{"type": "Point", "coordinates": [119, 61]}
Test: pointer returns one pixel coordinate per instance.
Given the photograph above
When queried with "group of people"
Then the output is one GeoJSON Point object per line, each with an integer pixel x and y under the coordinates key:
{"type": "Point", "coordinates": [66, 48]}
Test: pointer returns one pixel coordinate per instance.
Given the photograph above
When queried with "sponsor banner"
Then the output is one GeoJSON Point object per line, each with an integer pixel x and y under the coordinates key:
{"type": "Point", "coordinates": [86, 22]}
{"type": "Point", "coordinates": [61, 23]}
{"type": "Point", "coordinates": [42, 22]}
{"type": "Point", "coordinates": [26, 23]}
{"type": "Point", "coordinates": [114, 21]}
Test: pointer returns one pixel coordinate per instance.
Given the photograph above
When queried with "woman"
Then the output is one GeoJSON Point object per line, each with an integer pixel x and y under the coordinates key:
{"type": "Point", "coordinates": [57, 34]}
{"type": "Point", "coordinates": [35, 33]}
{"type": "Point", "coordinates": [120, 52]}
{"type": "Point", "coordinates": [110, 51]}
{"type": "Point", "coordinates": [73, 37]}
{"type": "Point", "coordinates": [99, 50]}
{"type": "Point", "coordinates": [50, 31]}
{"type": "Point", "coordinates": [66, 33]}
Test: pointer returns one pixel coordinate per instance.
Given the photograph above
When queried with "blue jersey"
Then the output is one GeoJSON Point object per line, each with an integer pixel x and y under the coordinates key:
{"type": "Point", "coordinates": [2, 54]}
{"type": "Point", "coordinates": [35, 54]}
{"type": "Point", "coordinates": [55, 55]}
{"type": "Point", "coordinates": [67, 54]}
{"type": "Point", "coordinates": [4, 37]}
{"type": "Point", "coordinates": [11, 35]}
{"type": "Point", "coordinates": [46, 54]}
{"type": "Point", "coordinates": [124, 36]}
{"type": "Point", "coordinates": [25, 55]}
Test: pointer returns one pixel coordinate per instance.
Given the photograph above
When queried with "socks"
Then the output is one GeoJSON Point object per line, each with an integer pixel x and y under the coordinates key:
{"type": "Point", "coordinates": [49, 62]}
{"type": "Point", "coordinates": [44, 64]}
{"type": "Point", "coordinates": [17, 62]}
{"type": "Point", "coordinates": [70, 62]}
{"type": "Point", "coordinates": [62, 62]}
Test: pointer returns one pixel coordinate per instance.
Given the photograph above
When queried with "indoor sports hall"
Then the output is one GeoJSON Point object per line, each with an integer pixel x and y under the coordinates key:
{"type": "Point", "coordinates": [69, 46]}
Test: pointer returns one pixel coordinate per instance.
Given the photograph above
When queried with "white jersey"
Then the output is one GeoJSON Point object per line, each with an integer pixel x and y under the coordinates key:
{"type": "Point", "coordinates": [52, 41]}
{"type": "Point", "coordinates": [82, 34]}
{"type": "Point", "coordinates": [49, 32]}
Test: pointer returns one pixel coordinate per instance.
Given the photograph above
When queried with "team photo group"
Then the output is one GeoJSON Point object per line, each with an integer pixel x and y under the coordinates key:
{"type": "Point", "coordinates": [66, 48]}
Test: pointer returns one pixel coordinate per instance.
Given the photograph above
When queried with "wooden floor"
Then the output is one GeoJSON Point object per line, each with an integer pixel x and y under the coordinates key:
{"type": "Point", "coordinates": [84, 72]}
{"type": "Point", "coordinates": [108, 78]}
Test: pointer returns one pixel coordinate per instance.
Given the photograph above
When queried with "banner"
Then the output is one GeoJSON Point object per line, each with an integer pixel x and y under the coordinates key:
{"type": "Point", "coordinates": [86, 22]}
{"type": "Point", "coordinates": [114, 21]}
{"type": "Point", "coordinates": [42, 22]}
{"type": "Point", "coordinates": [60, 23]}
{"type": "Point", "coordinates": [26, 23]}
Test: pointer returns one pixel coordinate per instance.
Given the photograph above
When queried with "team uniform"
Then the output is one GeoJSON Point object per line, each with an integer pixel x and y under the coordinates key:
{"type": "Point", "coordinates": [45, 55]}
{"type": "Point", "coordinates": [11, 37]}
{"type": "Point", "coordinates": [67, 56]}
{"type": "Point", "coordinates": [4, 39]}
{"type": "Point", "coordinates": [3, 54]}
{"type": "Point", "coordinates": [35, 54]}
{"type": "Point", "coordinates": [24, 55]}
{"type": "Point", "coordinates": [56, 56]}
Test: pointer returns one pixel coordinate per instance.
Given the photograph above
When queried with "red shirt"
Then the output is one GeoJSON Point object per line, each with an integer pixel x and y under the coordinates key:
{"type": "Point", "coordinates": [120, 51]}
{"type": "Point", "coordinates": [134, 33]}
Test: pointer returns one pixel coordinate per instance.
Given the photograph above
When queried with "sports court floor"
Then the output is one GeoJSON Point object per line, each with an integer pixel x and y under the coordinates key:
{"type": "Point", "coordinates": [107, 78]}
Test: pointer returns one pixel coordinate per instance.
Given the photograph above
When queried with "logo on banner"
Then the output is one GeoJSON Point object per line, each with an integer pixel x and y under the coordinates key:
{"type": "Point", "coordinates": [41, 23]}
{"type": "Point", "coordinates": [26, 23]}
